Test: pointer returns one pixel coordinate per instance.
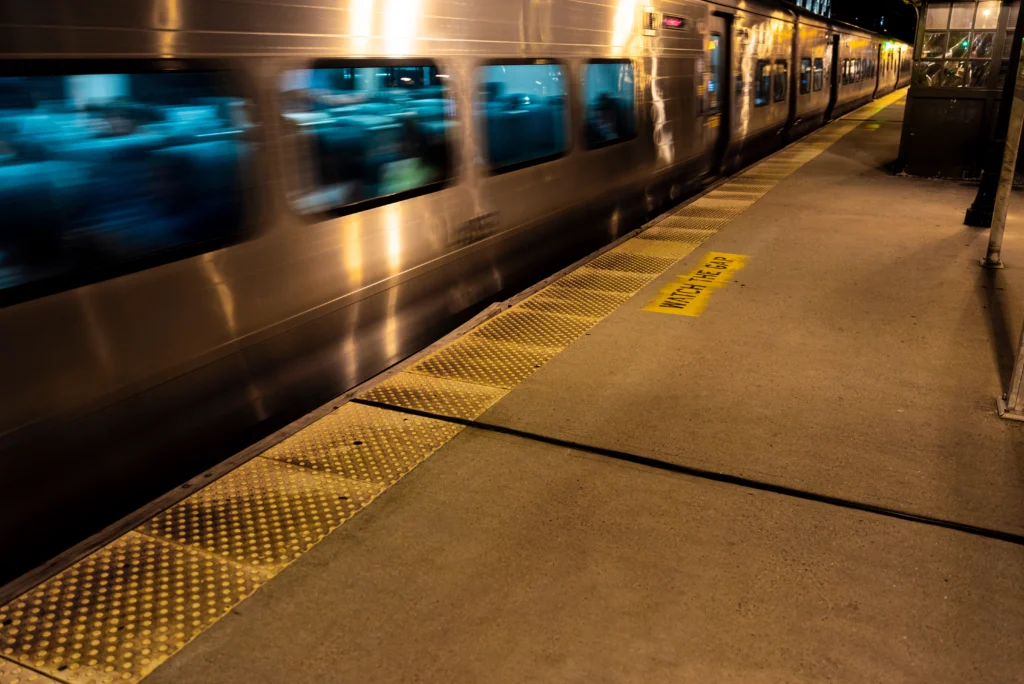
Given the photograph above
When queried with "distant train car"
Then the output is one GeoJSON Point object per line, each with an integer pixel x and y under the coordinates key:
{"type": "Point", "coordinates": [217, 214]}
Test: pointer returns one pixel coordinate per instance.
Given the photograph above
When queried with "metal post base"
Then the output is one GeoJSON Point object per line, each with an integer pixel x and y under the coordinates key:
{"type": "Point", "coordinates": [1005, 412]}
{"type": "Point", "coordinates": [995, 265]}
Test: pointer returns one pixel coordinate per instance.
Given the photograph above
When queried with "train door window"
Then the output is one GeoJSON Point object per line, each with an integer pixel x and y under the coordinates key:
{"type": "Point", "coordinates": [715, 79]}
{"type": "Point", "coordinates": [781, 79]}
{"type": "Point", "coordinates": [805, 75]}
{"type": "Point", "coordinates": [846, 71]}
{"type": "Point", "coordinates": [819, 73]}
{"type": "Point", "coordinates": [609, 95]}
{"type": "Point", "coordinates": [522, 110]}
{"type": "Point", "coordinates": [107, 168]}
{"type": "Point", "coordinates": [364, 133]}
{"type": "Point", "coordinates": [762, 83]}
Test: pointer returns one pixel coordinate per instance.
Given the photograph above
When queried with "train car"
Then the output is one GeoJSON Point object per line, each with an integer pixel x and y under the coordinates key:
{"type": "Point", "coordinates": [218, 214]}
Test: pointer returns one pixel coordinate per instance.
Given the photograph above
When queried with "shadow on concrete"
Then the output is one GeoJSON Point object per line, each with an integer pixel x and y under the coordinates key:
{"type": "Point", "coordinates": [991, 291]}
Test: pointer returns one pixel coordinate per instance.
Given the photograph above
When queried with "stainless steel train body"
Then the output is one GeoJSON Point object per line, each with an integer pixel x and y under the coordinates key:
{"type": "Point", "coordinates": [127, 378]}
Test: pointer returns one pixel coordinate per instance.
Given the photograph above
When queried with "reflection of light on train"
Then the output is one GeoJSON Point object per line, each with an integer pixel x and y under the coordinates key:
{"type": "Point", "coordinates": [663, 138]}
{"type": "Point", "coordinates": [624, 24]}
{"type": "Point", "coordinates": [393, 235]}
{"type": "Point", "coordinates": [224, 294]}
{"type": "Point", "coordinates": [360, 24]}
{"type": "Point", "coordinates": [352, 249]}
{"type": "Point", "coordinates": [401, 18]}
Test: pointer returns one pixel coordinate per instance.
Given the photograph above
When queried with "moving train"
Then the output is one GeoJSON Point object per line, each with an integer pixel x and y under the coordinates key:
{"type": "Point", "coordinates": [218, 214]}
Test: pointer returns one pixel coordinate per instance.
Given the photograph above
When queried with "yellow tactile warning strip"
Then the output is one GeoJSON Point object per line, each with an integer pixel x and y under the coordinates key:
{"type": "Point", "coordinates": [120, 612]}
{"type": "Point", "coordinates": [12, 673]}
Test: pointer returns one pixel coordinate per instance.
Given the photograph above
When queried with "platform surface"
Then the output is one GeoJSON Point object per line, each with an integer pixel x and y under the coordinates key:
{"type": "Point", "coordinates": [806, 482]}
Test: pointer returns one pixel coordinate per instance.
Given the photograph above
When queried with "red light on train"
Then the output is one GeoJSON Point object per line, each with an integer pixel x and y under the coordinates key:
{"type": "Point", "coordinates": [675, 23]}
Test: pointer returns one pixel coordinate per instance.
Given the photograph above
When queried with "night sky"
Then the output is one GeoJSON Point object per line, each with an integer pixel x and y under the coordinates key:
{"type": "Point", "coordinates": [899, 18]}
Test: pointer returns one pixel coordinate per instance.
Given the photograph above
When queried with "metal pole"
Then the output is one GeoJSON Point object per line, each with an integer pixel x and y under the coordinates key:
{"type": "Point", "coordinates": [979, 215]}
{"type": "Point", "coordinates": [1009, 405]}
{"type": "Point", "coordinates": [995, 238]}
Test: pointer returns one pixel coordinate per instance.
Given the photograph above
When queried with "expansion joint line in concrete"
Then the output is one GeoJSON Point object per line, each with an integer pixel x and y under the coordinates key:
{"type": "Point", "coordinates": [711, 475]}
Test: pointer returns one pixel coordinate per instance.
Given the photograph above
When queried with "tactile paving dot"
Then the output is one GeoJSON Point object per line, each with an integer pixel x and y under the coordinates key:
{"type": "Point", "coordinates": [264, 513]}
{"type": "Point", "coordinates": [436, 395]}
{"type": "Point", "coordinates": [672, 251]}
{"type": "Point", "coordinates": [534, 328]}
{"type": "Point", "coordinates": [12, 673]}
{"type": "Point", "coordinates": [365, 443]}
{"type": "Point", "coordinates": [486, 362]}
{"type": "Point", "coordinates": [737, 194]}
{"type": "Point", "coordinates": [692, 223]}
{"type": "Point", "coordinates": [631, 263]}
{"type": "Point", "coordinates": [684, 235]}
{"type": "Point", "coordinates": [595, 279]}
{"type": "Point", "coordinates": [704, 211]}
{"type": "Point", "coordinates": [567, 301]}
{"type": "Point", "coordinates": [119, 613]}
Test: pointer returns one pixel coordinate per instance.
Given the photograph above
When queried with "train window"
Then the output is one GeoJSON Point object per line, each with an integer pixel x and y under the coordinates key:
{"type": "Point", "coordinates": [762, 83]}
{"type": "Point", "coordinates": [715, 64]}
{"type": "Point", "coordinates": [609, 95]}
{"type": "Point", "coordinates": [523, 110]}
{"type": "Point", "coordinates": [108, 168]}
{"type": "Point", "coordinates": [365, 132]}
{"type": "Point", "coordinates": [781, 79]}
{"type": "Point", "coordinates": [819, 73]}
{"type": "Point", "coordinates": [805, 75]}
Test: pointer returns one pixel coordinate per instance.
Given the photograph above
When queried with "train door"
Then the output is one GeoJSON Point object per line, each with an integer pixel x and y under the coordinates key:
{"type": "Point", "coordinates": [833, 95]}
{"type": "Point", "coordinates": [877, 73]}
{"type": "Point", "coordinates": [719, 107]}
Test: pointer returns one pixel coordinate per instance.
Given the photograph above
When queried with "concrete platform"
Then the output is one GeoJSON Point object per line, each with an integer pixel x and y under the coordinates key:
{"type": "Point", "coordinates": [857, 355]}
{"type": "Point", "coordinates": [504, 560]}
{"type": "Point", "coordinates": [808, 482]}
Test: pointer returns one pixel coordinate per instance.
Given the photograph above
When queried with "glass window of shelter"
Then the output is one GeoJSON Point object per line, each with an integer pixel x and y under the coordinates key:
{"type": "Point", "coordinates": [957, 45]}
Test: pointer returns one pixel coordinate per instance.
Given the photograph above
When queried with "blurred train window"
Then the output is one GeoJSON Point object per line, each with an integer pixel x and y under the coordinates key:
{"type": "Point", "coordinates": [522, 108]}
{"type": "Point", "coordinates": [714, 103]}
{"type": "Point", "coordinates": [375, 132]}
{"type": "Point", "coordinates": [104, 173]}
{"type": "Point", "coordinates": [762, 82]}
{"type": "Point", "coordinates": [805, 75]}
{"type": "Point", "coordinates": [609, 98]}
{"type": "Point", "coordinates": [819, 73]}
{"type": "Point", "coordinates": [781, 79]}
{"type": "Point", "coordinates": [846, 71]}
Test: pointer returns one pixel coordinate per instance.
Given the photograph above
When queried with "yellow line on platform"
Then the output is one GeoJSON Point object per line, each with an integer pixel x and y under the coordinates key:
{"type": "Point", "coordinates": [120, 612]}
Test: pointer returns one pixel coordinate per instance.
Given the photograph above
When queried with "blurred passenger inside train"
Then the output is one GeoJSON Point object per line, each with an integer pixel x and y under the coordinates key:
{"type": "Point", "coordinates": [100, 169]}
{"type": "Point", "coordinates": [361, 133]}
